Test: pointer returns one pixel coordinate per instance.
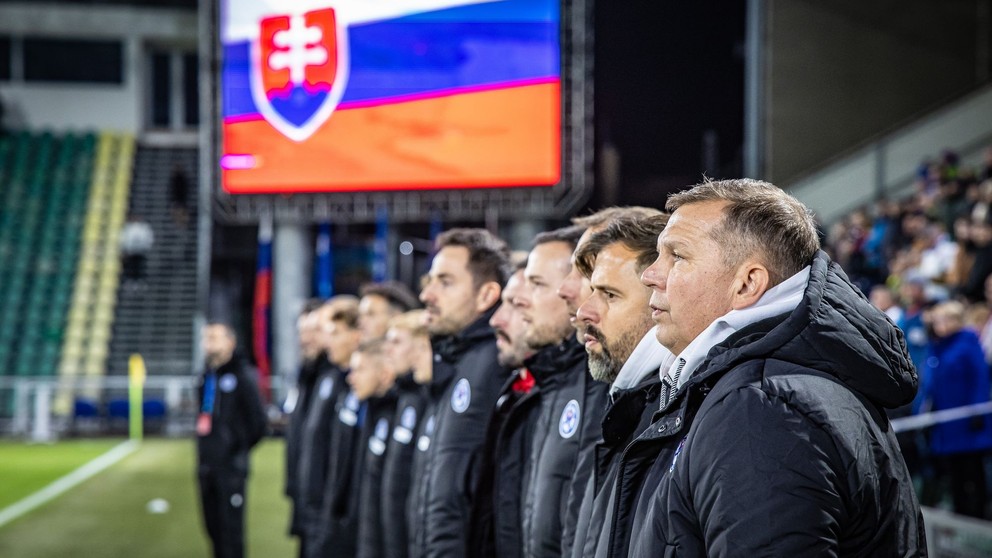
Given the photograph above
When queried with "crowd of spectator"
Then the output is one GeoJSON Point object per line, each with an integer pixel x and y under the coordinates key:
{"type": "Point", "coordinates": [926, 261]}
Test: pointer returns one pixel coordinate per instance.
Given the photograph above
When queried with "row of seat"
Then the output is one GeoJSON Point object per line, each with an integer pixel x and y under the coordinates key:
{"type": "Point", "coordinates": [44, 185]}
{"type": "Point", "coordinates": [88, 326]}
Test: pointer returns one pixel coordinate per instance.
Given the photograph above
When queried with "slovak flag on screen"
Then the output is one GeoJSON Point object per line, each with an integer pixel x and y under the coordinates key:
{"type": "Point", "coordinates": [299, 69]}
{"type": "Point", "coordinates": [355, 95]}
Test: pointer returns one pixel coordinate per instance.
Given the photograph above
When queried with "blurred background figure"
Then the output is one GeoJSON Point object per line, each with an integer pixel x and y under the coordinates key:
{"type": "Point", "coordinates": [136, 241]}
{"type": "Point", "coordinates": [956, 375]}
{"type": "Point", "coordinates": [231, 421]}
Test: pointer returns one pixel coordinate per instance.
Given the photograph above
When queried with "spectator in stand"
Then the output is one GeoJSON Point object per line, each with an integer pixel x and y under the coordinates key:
{"type": "Point", "coordinates": [957, 375]}
{"type": "Point", "coordinates": [136, 241]}
{"type": "Point", "coordinates": [985, 333]}
{"type": "Point", "coordinates": [884, 299]}
{"type": "Point", "coordinates": [985, 173]}
{"type": "Point", "coordinates": [179, 196]}
{"type": "Point", "coordinates": [980, 244]}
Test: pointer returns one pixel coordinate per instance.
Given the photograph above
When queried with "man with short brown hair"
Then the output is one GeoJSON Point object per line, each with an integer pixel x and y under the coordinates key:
{"type": "Point", "coordinates": [461, 294]}
{"type": "Point", "coordinates": [771, 437]}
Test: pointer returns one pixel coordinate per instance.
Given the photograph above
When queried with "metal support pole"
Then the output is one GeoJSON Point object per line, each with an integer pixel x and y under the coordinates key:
{"type": "Point", "coordinates": [42, 431]}
{"type": "Point", "coordinates": [291, 272]}
{"type": "Point", "coordinates": [754, 94]}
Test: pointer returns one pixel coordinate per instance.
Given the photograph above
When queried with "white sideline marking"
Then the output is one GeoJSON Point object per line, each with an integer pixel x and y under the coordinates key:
{"type": "Point", "coordinates": [61, 485]}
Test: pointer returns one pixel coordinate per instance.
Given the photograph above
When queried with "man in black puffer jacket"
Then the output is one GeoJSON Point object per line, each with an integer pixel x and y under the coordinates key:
{"type": "Point", "coordinates": [296, 407]}
{"type": "Point", "coordinates": [231, 421]}
{"type": "Point", "coordinates": [409, 348]}
{"type": "Point", "coordinates": [569, 405]}
{"type": "Point", "coordinates": [772, 438]}
{"type": "Point", "coordinates": [462, 291]}
{"type": "Point", "coordinates": [623, 352]}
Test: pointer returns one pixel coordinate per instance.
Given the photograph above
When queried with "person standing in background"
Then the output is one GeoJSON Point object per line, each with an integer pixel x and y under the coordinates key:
{"type": "Point", "coordinates": [298, 404]}
{"type": "Point", "coordinates": [463, 289]}
{"type": "Point", "coordinates": [231, 421]}
{"type": "Point", "coordinates": [956, 375]}
{"type": "Point", "coordinates": [408, 347]}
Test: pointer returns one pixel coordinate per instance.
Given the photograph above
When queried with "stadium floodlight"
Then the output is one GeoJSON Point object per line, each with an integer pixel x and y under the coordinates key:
{"type": "Point", "coordinates": [332, 109]}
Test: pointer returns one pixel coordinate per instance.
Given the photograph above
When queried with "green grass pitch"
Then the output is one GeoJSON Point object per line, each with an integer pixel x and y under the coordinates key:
{"type": "Point", "coordinates": [106, 515]}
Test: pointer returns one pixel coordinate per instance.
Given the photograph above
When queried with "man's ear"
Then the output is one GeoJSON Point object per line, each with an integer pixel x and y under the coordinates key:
{"type": "Point", "coordinates": [487, 296]}
{"type": "Point", "coordinates": [751, 282]}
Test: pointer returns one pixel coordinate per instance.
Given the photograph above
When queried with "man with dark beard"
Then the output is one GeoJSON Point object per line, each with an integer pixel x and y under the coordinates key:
{"type": "Point", "coordinates": [623, 351]}
{"type": "Point", "coordinates": [506, 436]}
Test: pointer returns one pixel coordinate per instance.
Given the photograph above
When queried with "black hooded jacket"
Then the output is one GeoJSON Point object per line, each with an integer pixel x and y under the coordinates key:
{"type": "Point", "coordinates": [495, 529]}
{"type": "Point", "coordinates": [566, 424]}
{"type": "Point", "coordinates": [465, 384]}
{"type": "Point", "coordinates": [315, 439]}
{"type": "Point", "coordinates": [294, 431]}
{"type": "Point", "coordinates": [237, 419]}
{"type": "Point", "coordinates": [778, 444]}
{"type": "Point", "coordinates": [628, 414]}
{"type": "Point", "coordinates": [367, 475]}
{"type": "Point", "coordinates": [397, 468]}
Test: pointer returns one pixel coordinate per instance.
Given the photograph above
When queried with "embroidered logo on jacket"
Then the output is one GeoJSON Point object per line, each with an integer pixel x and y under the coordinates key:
{"type": "Point", "coordinates": [325, 389]}
{"type": "Point", "coordinates": [349, 413]}
{"type": "Point", "coordinates": [461, 396]}
{"type": "Point", "coordinates": [424, 442]}
{"type": "Point", "coordinates": [568, 424]}
{"type": "Point", "coordinates": [403, 432]}
{"type": "Point", "coordinates": [377, 443]}
{"type": "Point", "coordinates": [228, 383]}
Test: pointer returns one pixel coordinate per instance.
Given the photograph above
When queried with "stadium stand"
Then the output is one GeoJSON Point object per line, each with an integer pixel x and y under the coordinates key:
{"type": "Point", "coordinates": [157, 321]}
{"type": "Point", "coordinates": [87, 333]}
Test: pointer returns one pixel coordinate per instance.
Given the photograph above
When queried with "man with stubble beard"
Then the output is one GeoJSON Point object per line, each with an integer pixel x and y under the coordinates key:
{"type": "Point", "coordinates": [462, 291]}
{"type": "Point", "coordinates": [498, 493]}
{"type": "Point", "coordinates": [623, 351]}
{"type": "Point", "coordinates": [574, 290]}
{"type": "Point", "coordinates": [569, 404]}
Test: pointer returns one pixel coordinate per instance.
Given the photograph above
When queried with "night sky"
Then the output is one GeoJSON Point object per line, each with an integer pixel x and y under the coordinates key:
{"type": "Point", "coordinates": [665, 72]}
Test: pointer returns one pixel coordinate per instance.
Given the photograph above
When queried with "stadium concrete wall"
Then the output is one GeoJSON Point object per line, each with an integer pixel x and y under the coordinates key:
{"type": "Point", "coordinates": [68, 106]}
{"type": "Point", "coordinates": [839, 73]}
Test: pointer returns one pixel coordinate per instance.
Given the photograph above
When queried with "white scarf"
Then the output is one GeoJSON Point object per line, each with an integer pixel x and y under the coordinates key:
{"type": "Point", "coordinates": [777, 300]}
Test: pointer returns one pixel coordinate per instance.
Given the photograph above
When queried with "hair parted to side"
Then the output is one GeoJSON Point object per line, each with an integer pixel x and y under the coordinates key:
{"type": "Point", "coordinates": [569, 235]}
{"type": "Point", "coordinates": [311, 305]}
{"type": "Point", "coordinates": [637, 233]}
{"type": "Point", "coordinates": [604, 216]}
{"type": "Point", "coordinates": [760, 218]}
{"type": "Point", "coordinates": [414, 322]}
{"type": "Point", "coordinates": [344, 309]}
{"type": "Point", "coordinates": [372, 347]}
{"type": "Point", "coordinates": [488, 255]}
{"type": "Point", "coordinates": [396, 294]}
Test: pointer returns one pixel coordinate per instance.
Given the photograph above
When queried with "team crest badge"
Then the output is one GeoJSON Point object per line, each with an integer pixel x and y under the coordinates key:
{"type": "Point", "coordinates": [228, 383]}
{"type": "Point", "coordinates": [325, 389]}
{"type": "Point", "coordinates": [409, 418]}
{"type": "Point", "coordinates": [299, 70]}
{"type": "Point", "coordinates": [424, 442]}
{"type": "Point", "coordinates": [461, 396]}
{"type": "Point", "coordinates": [568, 424]}
{"type": "Point", "coordinates": [377, 443]}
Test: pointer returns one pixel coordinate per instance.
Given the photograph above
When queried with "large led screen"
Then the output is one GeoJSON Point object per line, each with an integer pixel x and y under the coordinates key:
{"type": "Point", "coordinates": [356, 95]}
